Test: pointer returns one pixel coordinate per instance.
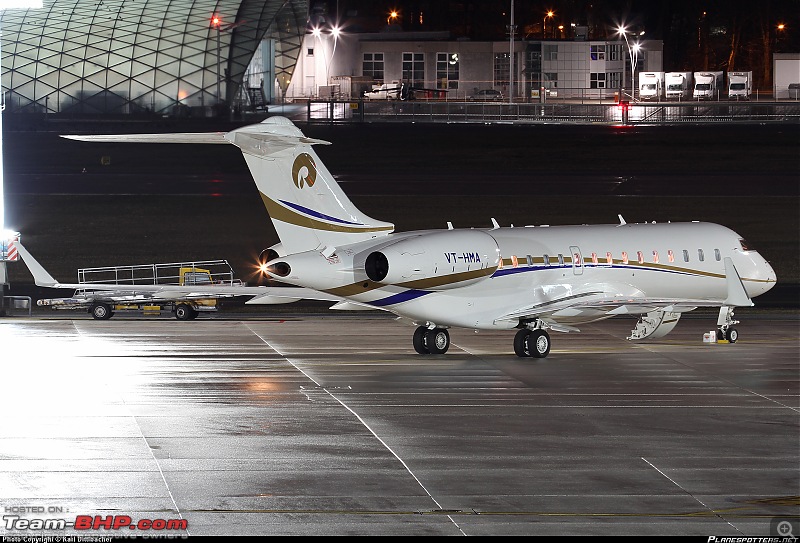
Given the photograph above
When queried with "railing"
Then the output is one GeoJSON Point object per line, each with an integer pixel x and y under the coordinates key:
{"type": "Point", "coordinates": [651, 113]}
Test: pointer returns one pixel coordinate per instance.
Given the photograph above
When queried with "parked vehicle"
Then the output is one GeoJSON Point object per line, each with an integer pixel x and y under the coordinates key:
{"type": "Point", "coordinates": [651, 85]}
{"type": "Point", "coordinates": [707, 85]}
{"type": "Point", "coordinates": [678, 85]}
{"type": "Point", "coordinates": [740, 85]}
{"type": "Point", "coordinates": [487, 95]}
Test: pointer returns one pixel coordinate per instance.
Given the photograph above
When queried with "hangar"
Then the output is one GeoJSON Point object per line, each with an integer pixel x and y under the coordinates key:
{"type": "Point", "coordinates": [161, 56]}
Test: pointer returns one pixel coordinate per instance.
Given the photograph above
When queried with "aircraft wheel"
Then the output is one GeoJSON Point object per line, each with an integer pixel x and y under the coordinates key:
{"type": "Point", "coordinates": [521, 343]}
{"type": "Point", "coordinates": [732, 335]}
{"type": "Point", "coordinates": [539, 343]}
{"type": "Point", "coordinates": [419, 340]}
{"type": "Point", "coordinates": [437, 340]}
{"type": "Point", "coordinates": [185, 312]}
{"type": "Point", "coordinates": [101, 311]}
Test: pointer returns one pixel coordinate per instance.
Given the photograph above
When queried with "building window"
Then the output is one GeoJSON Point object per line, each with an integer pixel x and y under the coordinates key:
{"type": "Point", "coordinates": [597, 52]}
{"type": "Point", "coordinates": [551, 80]}
{"type": "Point", "coordinates": [615, 51]}
{"type": "Point", "coordinates": [597, 81]}
{"type": "Point", "coordinates": [414, 68]}
{"type": "Point", "coordinates": [447, 70]}
{"type": "Point", "coordinates": [501, 69]}
{"type": "Point", "coordinates": [613, 79]}
{"type": "Point", "coordinates": [372, 66]}
{"type": "Point", "coordinates": [550, 52]}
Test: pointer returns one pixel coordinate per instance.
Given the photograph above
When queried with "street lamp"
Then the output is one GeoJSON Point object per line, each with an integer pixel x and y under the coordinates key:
{"type": "Point", "coordinates": [317, 33]}
{"type": "Point", "coordinates": [631, 50]}
{"type": "Point", "coordinates": [216, 22]}
{"type": "Point", "coordinates": [392, 16]}
{"type": "Point", "coordinates": [550, 14]}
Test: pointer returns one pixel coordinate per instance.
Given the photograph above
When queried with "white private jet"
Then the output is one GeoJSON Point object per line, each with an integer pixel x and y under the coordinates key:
{"type": "Point", "coordinates": [529, 279]}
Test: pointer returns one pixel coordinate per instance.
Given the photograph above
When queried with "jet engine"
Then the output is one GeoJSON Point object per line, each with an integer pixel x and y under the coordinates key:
{"type": "Point", "coordinates": [435, 261]}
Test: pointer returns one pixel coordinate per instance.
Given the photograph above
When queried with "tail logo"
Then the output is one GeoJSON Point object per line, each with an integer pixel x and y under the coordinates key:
{"type": "Point", "coordinates": [304, 171]}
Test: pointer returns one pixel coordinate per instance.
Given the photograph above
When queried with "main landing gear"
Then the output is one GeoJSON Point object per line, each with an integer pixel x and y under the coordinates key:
{"type": "Point", "coordinates": [535, 343]}
{"type": "Point", "coordinates": [431, 340]}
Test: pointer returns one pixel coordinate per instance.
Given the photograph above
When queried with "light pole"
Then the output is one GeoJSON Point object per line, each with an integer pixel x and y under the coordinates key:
{"type": "Point", "coordinates": [511, 56]}
{"type": "Point", "coordinates": [550, 14]}
{"type": "Point", "coordinates": [631, 51]}
{"type": "Point", "coordinates": [216, 22]}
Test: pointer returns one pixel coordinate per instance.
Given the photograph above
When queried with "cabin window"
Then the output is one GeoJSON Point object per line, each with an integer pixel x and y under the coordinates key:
{"type": "Point", "coordinates": [717, 255]}
{"type": "Point", "coordinates": [546, 260]}
{"type": "Point", "coordinates": [640, 256]}
{"type": "Point", "coordinates": [624, 257]}
{"type": "Point", "coordinates": [500, 264]}
{"type": "Point", "coordinates": [609, 259]}
{"type": "Point", "coordinates": [700, 256]}
{"type": "Point", "coordinates": [514, 261]}
{"type": "Point", "coordinates": [670, 256]}
{"type": "Point", "coordinates": [685, 255]}
{"type": "Point", "coordinates": [530, 260]}
{"type": "Point", "coordinates": [594, 258]}
{"type": "Point", "coordinates": [560, 259]}
{"type": "Point", "coordinates": [655, 257]}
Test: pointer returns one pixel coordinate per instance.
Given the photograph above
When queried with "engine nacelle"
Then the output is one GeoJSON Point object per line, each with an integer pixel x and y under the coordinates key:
{"type": "Point", "coordinates": [435, 261]}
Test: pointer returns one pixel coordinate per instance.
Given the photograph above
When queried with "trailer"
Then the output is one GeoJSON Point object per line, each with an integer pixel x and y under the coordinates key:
{"type": "Point", "coordinates": [678, 85]}
{"type": "Point", "coordinates": [651, 85]}
{"type": "Point", "coordinates": [97, 296]}
{"type": "Point", "coordinates": [707, 85]}
{"type": "Point", "coordinates": [740, 85]}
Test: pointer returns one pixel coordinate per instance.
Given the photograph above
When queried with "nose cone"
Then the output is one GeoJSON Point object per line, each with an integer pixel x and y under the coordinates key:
{"type": "Point", "coordinates": [764, 278]}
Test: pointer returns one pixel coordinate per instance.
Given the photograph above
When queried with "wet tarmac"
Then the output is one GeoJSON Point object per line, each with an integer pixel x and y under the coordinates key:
{"type": "Point", "coordinates": [312, 424]}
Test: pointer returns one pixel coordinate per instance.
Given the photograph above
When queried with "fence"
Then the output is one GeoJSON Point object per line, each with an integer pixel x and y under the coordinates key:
{"type": "Point", "coordinates": [552, 112]}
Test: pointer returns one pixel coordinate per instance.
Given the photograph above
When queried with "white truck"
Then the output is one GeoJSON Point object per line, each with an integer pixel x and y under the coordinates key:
{"type": "Point", "coordinates": [651, 85]}
{"type": "Point", "coordinates": [707, 85]}
{"type": "Point", "coordinates": [740, 85]}
{"type": "Point", "coordinates": [678, 85]}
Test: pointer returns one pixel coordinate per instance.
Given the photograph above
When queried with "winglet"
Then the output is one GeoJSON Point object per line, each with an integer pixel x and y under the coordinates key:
{"type": "Point", "coordinates": [40, 275]}
{"type": "Point", "coordinates": [495, 226]}
{"type": "Point", "coordinates": [621, 220]}
{"type": "Point", "coordinates": [737, 295]}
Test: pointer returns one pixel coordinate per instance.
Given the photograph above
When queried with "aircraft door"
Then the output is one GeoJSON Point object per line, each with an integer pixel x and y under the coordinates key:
{"type": "Point", "coordinates": [577, 260]}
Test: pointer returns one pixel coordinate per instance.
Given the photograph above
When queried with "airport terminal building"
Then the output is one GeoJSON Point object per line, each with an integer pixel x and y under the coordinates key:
{"type": "Point", "coordinates": [160, 56]}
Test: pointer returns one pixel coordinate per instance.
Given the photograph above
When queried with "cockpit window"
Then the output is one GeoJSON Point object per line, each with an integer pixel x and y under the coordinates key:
{"type": "Point", "coordinates": [744, 244]}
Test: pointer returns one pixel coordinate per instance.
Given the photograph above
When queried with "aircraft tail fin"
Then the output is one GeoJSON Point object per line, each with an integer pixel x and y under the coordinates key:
{"type": "Point", "coordinates": [307, 206]}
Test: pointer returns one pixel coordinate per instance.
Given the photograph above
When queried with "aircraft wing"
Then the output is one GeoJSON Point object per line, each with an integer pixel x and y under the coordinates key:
{"type": "Point", "coordinates": [116, 292]}
{"type": "Point", "coordinates": [602, 305]}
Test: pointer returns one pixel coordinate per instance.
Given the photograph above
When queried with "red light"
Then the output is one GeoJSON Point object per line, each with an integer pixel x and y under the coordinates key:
{"type": "Point", "coordinates": [216, 21]}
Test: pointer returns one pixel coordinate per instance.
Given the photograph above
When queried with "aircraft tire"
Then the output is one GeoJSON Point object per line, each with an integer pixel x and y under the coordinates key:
{"type": "Point", "coordinates": [732, 335]}
{"type": "Point", "coordinates": [539, 343]}
{"type": "Point", "coordinates": [185, 312]}
{"type": "Point", "coordinates": [101, 311]}
{"type": "Point", "coordinates": [521, 343]}
{"type": "Point", "coordinates": [419, 340]}
{"type": "Point", "coordinates": [437, 340]}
